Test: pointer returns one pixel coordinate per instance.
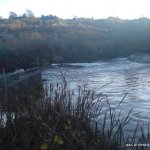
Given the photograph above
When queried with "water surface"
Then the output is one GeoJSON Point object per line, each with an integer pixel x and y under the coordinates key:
{"type": "Point", "coordinates": [120, 76]}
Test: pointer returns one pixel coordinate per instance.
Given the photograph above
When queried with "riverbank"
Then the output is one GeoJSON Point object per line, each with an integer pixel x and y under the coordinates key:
{"type": "Point", "coordinates": [16, 85]}
{"type": "Point", "coordinates": [64, 121]}
{"type": "Point", "coordinates": [51, 40]}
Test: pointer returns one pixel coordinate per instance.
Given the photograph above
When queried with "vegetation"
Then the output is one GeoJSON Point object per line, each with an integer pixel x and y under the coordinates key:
{"type": "Point", "coordinates": [58, 118]}
{"type": "Point", "coordinates": [65, 119]}
{"type": "Point", "coordinates": [52, 39]}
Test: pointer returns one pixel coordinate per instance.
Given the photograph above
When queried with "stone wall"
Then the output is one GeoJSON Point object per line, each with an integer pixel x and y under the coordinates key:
{"type": "Point", "coordinates": [27, 84]}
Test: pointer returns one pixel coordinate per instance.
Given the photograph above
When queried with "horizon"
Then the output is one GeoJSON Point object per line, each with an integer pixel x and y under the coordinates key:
{"type": "Point", "coordinates": [67, 9]}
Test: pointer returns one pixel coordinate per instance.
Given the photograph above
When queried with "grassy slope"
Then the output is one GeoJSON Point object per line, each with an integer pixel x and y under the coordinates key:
{"type": "Point", "coordinates": [78, 40]}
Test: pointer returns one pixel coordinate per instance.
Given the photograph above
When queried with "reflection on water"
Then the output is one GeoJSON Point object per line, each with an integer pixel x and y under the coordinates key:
{"type": "Point", "coordinates": [123, 77]}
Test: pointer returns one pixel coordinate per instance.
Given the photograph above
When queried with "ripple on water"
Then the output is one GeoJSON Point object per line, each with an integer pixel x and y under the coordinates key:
{"type": "Point", "coordinates": [119, 75]}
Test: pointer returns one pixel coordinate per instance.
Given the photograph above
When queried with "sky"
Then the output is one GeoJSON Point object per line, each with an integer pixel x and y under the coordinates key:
{"type": "Point", "coordinates": [125, 9]}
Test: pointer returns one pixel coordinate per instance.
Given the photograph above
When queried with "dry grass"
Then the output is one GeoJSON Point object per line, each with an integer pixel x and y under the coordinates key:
{"type": "Point", "coordinates": [63, 120]}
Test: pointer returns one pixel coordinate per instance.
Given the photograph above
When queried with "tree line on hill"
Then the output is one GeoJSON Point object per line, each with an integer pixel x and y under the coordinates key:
{"type": "Point", "coordinates": [51, 39]}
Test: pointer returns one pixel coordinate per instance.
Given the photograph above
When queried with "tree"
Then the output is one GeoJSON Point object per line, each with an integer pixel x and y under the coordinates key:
{"type": "Point", "coordinates": [12, 15]}
{"type": "Point", "coordinates": [24, 15]}
{"type": "Point", "coordinates": [29, 13]}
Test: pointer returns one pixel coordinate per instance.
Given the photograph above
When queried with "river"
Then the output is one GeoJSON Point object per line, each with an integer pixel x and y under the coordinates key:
{"type": "Point", "coordinates": [120, 76]}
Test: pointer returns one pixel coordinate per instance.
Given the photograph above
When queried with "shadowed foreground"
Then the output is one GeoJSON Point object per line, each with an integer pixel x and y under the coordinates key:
{"type": "Point", "coordinates": [62, 120]}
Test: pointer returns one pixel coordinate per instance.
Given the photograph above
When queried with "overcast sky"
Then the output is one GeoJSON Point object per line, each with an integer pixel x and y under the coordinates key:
{"type": "Point", "coordinates": [125, 9]}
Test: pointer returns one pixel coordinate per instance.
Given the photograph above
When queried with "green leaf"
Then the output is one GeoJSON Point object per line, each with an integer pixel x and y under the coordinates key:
{"type": "Point", "coordinates": [58, 140]}
{"type": "Point", "coordinates": [67, 126]}
{"type": "Point", "coordinates": [44, 146]}
{"type": "Point", "coordinates": [76, 135]}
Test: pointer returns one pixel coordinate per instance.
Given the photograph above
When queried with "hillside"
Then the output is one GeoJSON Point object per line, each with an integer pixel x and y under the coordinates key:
{"type": "Point", "coordinates": [52, 39]}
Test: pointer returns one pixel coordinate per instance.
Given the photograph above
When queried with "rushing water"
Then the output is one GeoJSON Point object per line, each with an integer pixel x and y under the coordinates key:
{"type": "Point", "coordinates": [120, 76]}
